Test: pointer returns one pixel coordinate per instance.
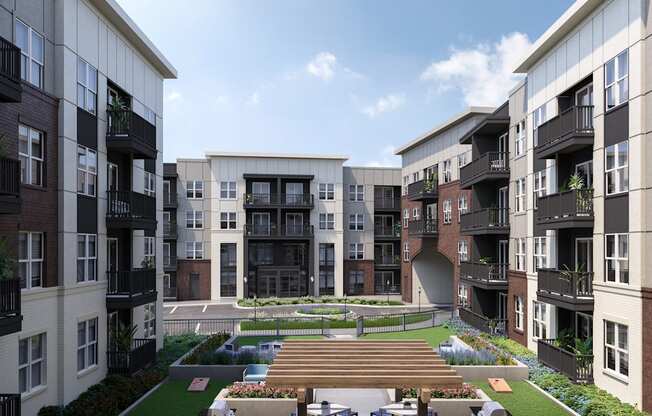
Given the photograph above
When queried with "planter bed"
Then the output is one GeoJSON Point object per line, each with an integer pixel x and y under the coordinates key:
{"type": "Point", "coordinates": [327, 323]}
{"type": "Point", "coordinates": [456, 406]}
{"type": "Point", "coordinates": [284, 404]}
{"type": "Point", "coordinates": [326, 300]}
{"type": "Point", "coordinates": [516, 371]}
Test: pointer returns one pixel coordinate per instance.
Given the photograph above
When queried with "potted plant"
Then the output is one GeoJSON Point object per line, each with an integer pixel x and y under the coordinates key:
{"type": "Point", "coordinates": [148, 263]}
{"type": "Point", "coordinates": [122, 337]}
{"type": "Point", "coordinates": [117, 116]}
{"type": "Point", "coordinates": [575, 182]}
{"type": "Point", "coordinates": [484, 260]}
{"type": "Point", "coordinates": [7, 262]}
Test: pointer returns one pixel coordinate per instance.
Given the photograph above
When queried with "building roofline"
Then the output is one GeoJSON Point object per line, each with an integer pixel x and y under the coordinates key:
{"type": "Point", "coordinates": [375, 167]}
{"type": "Point", "coordinates": [260, 155]}
{"type": "Point", "coordinates": [121, 20]}
{"type": "Point", "coordinates": [452, 122]}
{"type": "Point", "coordinates": [566, 23]}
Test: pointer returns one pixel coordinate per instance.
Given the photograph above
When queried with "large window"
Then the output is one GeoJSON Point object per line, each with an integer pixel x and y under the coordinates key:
{"type": "Point", "coordinates": [539, 186]}
{"type": "Point", "coordinates": [31, 363]}
{"type": "Point", "coordinates": [86, 171]}
{"type": "Point", "coordinates": [540, 253]}
{"type": "Point", "coordinates": [406, 252]}
{"type": "Point", "coordinates": [617, 258]}
{"type": "Point", "coordinates": [86, 344]}
{"type": "Point", "coordinates": [539, 116]}
{"type": "Point", "coordinates": [228, 263]}
{"type": "Point", "coordinates": [356, 251]}
{"type": "Point", "coordinates": [150, 184]}
{"type": "Point", "coordinates": [448, 211]}
{"type": "Point", "coordinates": [32, 50]}
{"type": "Point", "coordinates": [520, 195]}
{"type": "Point", "coordinates": [86, 257]}
{"type": "Point", "coordinates": [539, 326]}
{"type": "Point", "coordinates": [86, 86]}
{"type": "Point", "coordinates": [30, 259]}
{"type": "Point", "coordinates": [228, 190]}
{"type": "Point", "coordinates": [463, 160]}
{"type": "Point", "coordinates": [616, 168]}
{"type": "Point", "coordinates": [194, 250]}
{"type": "Point", "coordinates": [462, 251]}
{"type": "Point", "coordinates": [448, 171]}
{"type": "Point", "coordinates": [520, 254]}
{"type": "Point", "coordinates": [30, 150]}
{"type": "Point", "coordinates": [519, 149]}
{"type": "Point", "coordinates": [356, 222]}
{"type": "Point", "coordinates": [356, 193]}
{"type": "Point", "coordinates": [195, 189]}
{"type": "Point", "coordinates": [616, 83]}
{"type": "Point", "coordinates": [326, 191]}
{"type": "Point", "coordinates": [326, 221]}
{"type": "Point", "coordinates": [518, 313]}
{"type": "Point", "coordinates": [149, 255]}
{"type": "Point", "coordinates": [149, 321]}
{"type": "Point", "coordinates": [462, 295]}
{"type": "Point", "coordinates": [194, 219]}
{"type": "Point", "coordinates": [406, 217]}
{"type": "Point", "coordinates": [356, 282]}
{"type": "Point", "coordinates": [462, 206]}
{"type": "Point", "coordinates": [404, 188]}
{"type": "Point", "coordinates": [616, 348]}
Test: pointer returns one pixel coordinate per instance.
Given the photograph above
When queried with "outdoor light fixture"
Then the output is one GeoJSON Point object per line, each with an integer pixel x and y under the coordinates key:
{"type": "Point", "coordinates": [419, 290]}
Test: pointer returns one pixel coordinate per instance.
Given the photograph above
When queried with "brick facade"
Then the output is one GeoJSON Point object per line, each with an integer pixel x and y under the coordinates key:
{"type": "Point", "coordinates": [184, 269]}
{"type": "Point", "coordinates": [367, 267]}
{"type": "Point", "coordinates": [517, 287]}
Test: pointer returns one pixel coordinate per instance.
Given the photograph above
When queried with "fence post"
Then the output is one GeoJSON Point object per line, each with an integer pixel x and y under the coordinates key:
{"type": "Point", "coordinates": [278, 327]}
{"type": "Point", "coordinates": [434, 318]}
{"type": "Point", "coordinates": [403, 322]}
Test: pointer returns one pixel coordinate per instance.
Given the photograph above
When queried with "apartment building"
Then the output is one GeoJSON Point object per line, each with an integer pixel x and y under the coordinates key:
{"type": "Point", "coordinates": [432, 206]}
{"type": "Point", "coordinates": [80, 167]}
{"type": "Point", "coordinates": [170, 177]}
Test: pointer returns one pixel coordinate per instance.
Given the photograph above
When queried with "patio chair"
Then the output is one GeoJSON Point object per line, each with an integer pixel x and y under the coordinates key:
{"type": "Point", "coordinates": [255, 373]}
{"type": "Point", "coordinates": [490, 409]}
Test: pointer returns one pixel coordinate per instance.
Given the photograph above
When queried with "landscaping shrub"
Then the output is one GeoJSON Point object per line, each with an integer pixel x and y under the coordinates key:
{"type": "Point", "coordinates": [259, 391]}
{"type": "Point", "coordinates": [205, 351]}
{"type": "Point", "coordinates": [322, 310]}
{"type": "Point", "coordinates": [477, 357]}
{"type": "Point", "coordinates": [466, 392]}
{"type": "Point", "coordinates": [309, 300]}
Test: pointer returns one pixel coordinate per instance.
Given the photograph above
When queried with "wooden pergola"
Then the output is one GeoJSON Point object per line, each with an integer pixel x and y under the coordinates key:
{"type": "Point", "coordinates": [359, 364]}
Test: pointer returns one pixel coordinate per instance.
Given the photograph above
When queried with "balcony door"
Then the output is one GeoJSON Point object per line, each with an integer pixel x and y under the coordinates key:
{"type": "Point", "coordinates": [503, 204]}
{"type": "Point", "coordinates": [112, 254]}
{"type": "Point", "coordinates": [293, 192]}
{"type": "Point", "coordinates": [167, 198]}
{"type": "Point", "coordinates": [261, 192]}
{"type": "Point", "coordinates": [583, 325]}
{"type": "Point", "coordinates": [583, 100]}
{"type": "Point", "coordinates": [503, 258]}
{"type": "Point", "coordinates": [502, 305]}
{"type": "Point", "coordinates": [166, 254]}
{"type": "Point", "coordinates": [584, 254]}
{"type": "Point", "coordinates": [585, 171]}
{"type": "Point", "coordinates": [584, 97]}
{"type": "Point", "coordinates": [431, 212]}
{"type": "Point", "coordinates": [112, 176]}
{"type": "Point", "coordinates": [501, 162]}
{"type": "Point", "coordinates": [261, 223]}
{"type": "Point", "coordinates": [293, 223]}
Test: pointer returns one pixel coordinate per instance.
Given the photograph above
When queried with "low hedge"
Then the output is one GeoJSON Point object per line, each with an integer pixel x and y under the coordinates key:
{"type": "Point", "coordinates": [249, 303]}
{"type": "Point", "coordinates": [116, 392]}
{"type": "Point", "coordinates": [207, 348]}
{"type": "Point", "coordinates": [259, 391]}
{"type": "Point", "coordinates": [467, 391]}
{"type": "Point", "coordinates": [370, 322]}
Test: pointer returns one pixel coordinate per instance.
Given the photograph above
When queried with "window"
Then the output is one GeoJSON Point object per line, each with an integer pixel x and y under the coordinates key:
{"type": "Point", "coordinates": [30, 151]}
{"type": "Point", "coordinates": [448, 211]}
{"type": "Point", "coordinates": [86, 344]}
{"type": "Point", "coordinates": [150, 116]}
{"type": "Point", "coordinates": [195, 189]}
{"type": "Point", "coordinates": [617, 258]}
{"type": "Point", "coordinates": [462, 251]}
{"type": "Point", "coordinates": [406, 217]}
{"type": "Point", "coordinates": [30, 259]}
{"type": "Point", "coordinates": [86, 86]}
{"type": "Point", "coordinates": [539, 118]}
{"type": "Point", "coordinates": [462, 206]}
{"type": "Point", "coordinates": [149, 260]}
{"type": "Point", "coordinates": [520, 139]}
{"type": "Point", "coordinates": [462, 159]}
{"type": "Point", "coordinates": [32, 49]}
{"type": "Point", "coordinates": [228, 264]}
{"type": "Point", "coordinates": [539, 326]}
{"type": "Point", "coordinates": [539, 186]}
{"type": "Point", "coordinates": [356, 282]}
{"type": "Point", "coordinates": [416, 214]}
{"type": "Point", "coordinates": [31, 363]}
{"type": "Point", "coordinates": [616, 348]}
{"type": "Point", "coordinates": [520, 254]}
{"type": "Point", "coordinates": [167, 261]}
{"type": "Point", "coordinates": [585, 171]}
{"type": "Point", "coordinates": [149, 321]}
{"type": "Point", "coordinates": [227, 190]}
{"type": "Point", "coordinates": [150, 184]}
{"type": "Point", "coordinates": [86, 257]}
{"type": "Point", "coordinates": [356, 193]}
{"type": "Point", "coordinates": [326, 269]}
{"type": "Point", "coordinates": [326, 221]}
{"type": "Point", "coordinates": [616, 84]}
{"type": "Point", "coordinates": [540, 253]}
{"type": "Point", "coordinates": [520, 195]}
{"type": "Point", "coordinates": [195, 219]}
{"type": "Point", "coordinates": [356, 222]}
{"type": "Point", "coordinates": [462, 295]}
{"type": "Point", "coordinates": [415, 177]}
{"type": "Point", "coordinates": [326, 191]}
{"type": "Point", "coordinates": [406, 180]}
{"type": "Point", "coordinates": [227, 220]}
{"type": "Point", "coordinates": [86, 171]}
{"type": "Point", "coordinates": [194, 250]}
{"type": "Point", "coordinates": [448, 174]}
{"type": "Point", "coordinates": [616, 168]}
{"type": "Point", "coordinates": [356, 251]}
{"type": "Point", "coordinates": [406, 252]}
{"type": "Point", "coordinates": [518, 312]}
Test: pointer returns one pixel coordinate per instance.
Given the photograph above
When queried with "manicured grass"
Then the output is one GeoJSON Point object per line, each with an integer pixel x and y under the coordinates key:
{"type": "Point", "coordinates": [172, 399]}
{"type": "Point", "coordinates": [434, 336]}
{"type": "Point", "coordinates": [525, 400]}
{"type": "Point", "coordinates": [255, 340]}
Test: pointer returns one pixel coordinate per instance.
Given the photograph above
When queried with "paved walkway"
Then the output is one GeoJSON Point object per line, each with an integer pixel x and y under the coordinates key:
{"type": "Point", "coordinates": [363, 401]}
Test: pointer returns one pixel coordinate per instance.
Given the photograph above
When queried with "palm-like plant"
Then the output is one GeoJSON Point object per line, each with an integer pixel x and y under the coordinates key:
{"type": "Point", "coordinates": [118, 116]}
{"type": "Point", "coordinates": [575, 182]}
{"type": "Point", "coordinates": [122, 337]}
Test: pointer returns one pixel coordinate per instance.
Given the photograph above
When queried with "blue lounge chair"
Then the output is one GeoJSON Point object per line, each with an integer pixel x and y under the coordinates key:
{"type": "Point", "coordinates": [255, 373]}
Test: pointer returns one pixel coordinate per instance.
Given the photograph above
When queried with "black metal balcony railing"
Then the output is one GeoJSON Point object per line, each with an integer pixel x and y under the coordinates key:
{"type": "Point", "coordinates": [169, 292]}
{"type": "Point", "coordinates": [9, 298]}
{"type": "Point", "coordinates": [130, 205]}
{"type": "Point", "coordinates": [9, 177]}
{"type": "Point", "coordinates": [490, 163]}
{"type": "Point", "coordinates": [169, 230]}
{"type": "Point", "coordinates": [579, 368]}
{"type": "Point", "coordinates": [125, 124]}
{"type": "Point", "coordinates": [387, 260]}
{"type": "Point", "coordinates": [10, 404]}
{"type": "Point", "coordinates": [169, 200]}
{"type": "Point", "coordinates": [141, 355]}
{"type": "Point", "coordinates": [387, 203]}
{"type": "Point", "coordinates": [9, 60]}
{"type": "Point", "coordinates": [573, 120]}
{"type": "Point", "coordinates": [565, 205]}
{"type": "Point", "coordinates": [387, 231]}
{"type": "Point", "coordinates": [485, 219]}
{"type": "Point", "coordinates": [131, 283]}
{"type": "Point", "coordinates": [423, 227]}
{"type": "Point", "coordinates": [489, 325]}
{"type": "Point", "coordinates": [289, 200]}
{"type": "Point", "coordinates": [567, 283]}
{"type": "Point", "coordinates": [170, 262]}
{"type": "Point", "coordinates": [484, 272]}
{"type": "Point", "coordinates": [271, 230]}
{"type": "Point", "coordinates": [423, 189]}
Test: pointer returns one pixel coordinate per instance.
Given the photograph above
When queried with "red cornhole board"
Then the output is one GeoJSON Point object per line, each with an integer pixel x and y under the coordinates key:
{"type": "Point", "coordinates": [499, 385]}
{"type": "Point", "coordinates": [198, 384]}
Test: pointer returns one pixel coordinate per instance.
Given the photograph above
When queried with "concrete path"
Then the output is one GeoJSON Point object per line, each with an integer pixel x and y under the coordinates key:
{"type": "Point", "coordinates": [363, 401]}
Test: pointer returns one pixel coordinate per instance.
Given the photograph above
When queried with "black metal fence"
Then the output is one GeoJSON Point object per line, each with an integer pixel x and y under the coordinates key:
{"type": "Point", "coordinates": [425, 226]}
{"type": "Point", "coordinates": [131, 282]}
{"type": "Point", "coordinates": [292, 200]}
{"type": "Point", "coordinates": [485, 218]}
{"type": "Point", "coordinates": [578, 119]}
{"type": "Point", "coordinates": [490, 162]}
{"type": "Point", "coordinates": [272, 230]}
{"type": "Point", "coordinates": [578, 367]}
{"type": "Point", "coordinates": [369, 324]}
{"type": "Point", "coordinates": [9, 60]}
{"type": "Point", "coordinates": [126, 123]}
{"type": "Point", "coordinates": [9, 297]}
{"type": "Point", "coordinates": [569, 283]}
{"type": "Point", "coordinates": [10, 404]}
{"type": "Point", "coordinates": [423, 188]}
{"type": "Point", "coordinates": [9, 177]}
{"type": "Point", "coordinates": [483, 323]}
{"type": "Point", "coordinates": [129, 204]}
{"type": "Point", "coordinates": [141, 355]}
{"type": "Point", "coordinates": [568, 204]}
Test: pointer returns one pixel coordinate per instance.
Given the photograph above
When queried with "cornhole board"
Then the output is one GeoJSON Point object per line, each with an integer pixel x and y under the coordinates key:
{"type": "Point", "coordinates": [499, 385]}
{"type": "Point", "coordinates": [198, 384]}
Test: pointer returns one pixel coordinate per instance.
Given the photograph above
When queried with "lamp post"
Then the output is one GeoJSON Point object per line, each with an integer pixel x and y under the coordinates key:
{"type": "Point", "coordinates": [312, 286]}
{"type": "Point", "coordinates": [345, 307]}
{"type": "Point", "coordinates": [255, 308]}
{"type": "Point", "coordinates": [419, 290]}
{"type": "Point", "coordinates": [246, 288]}
{"type": "Point", "coordinates": [387, 288]}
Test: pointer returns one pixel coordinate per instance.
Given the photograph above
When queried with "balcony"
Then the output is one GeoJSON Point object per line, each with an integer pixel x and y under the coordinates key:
{"type": "Point", "coordinates": [570, 209]}
{"type": "Point", "coordinates": [298, 201]}
{"type": "Point", "coordinates": [129, 133]}
{"type": "Point", "coordinates": [10, 318]}
{"type": "Point", "coordinates": [128, 209]}
{"type": "Point", "coordinates": [9, 186]}
{"type": "Point", "coordinates": [423, 228]}
{"type": "Point", "coordinates": [483, 323]}
{"type": "Point", "coordinates": [388, 233]}
{"type": "Point", "coordinates": [570, 131]}
{"type": "Point", "coordinates": [141, 355]}
{"type": "Point", "coordinates": [131, 288]}
{"type": "Point", "coordinates": [272, 231]}
{"type": "Point", "coordinates": [169, 200]}
{"type": "Point", "coordinates": [387, 204]}
{"type": "Point", "coordinates": [10, 404]}
{"type": "Point", "coordinates": [485, 221]}
{"type": "Point", "coordinates": [423, 190]}
{"type": "Point", "coordinates": [170, 230]}
{"type": "Point", "coordinates": [485, 275]}
{"type": "Point", "coordinates": [491, 166]}
{"type": "Point", "coordinates": [170, 263]}
{"type": "Point", "coordinates": [568, 289]}
{"type": "Point", "coordinates": [387, 262]}
{"type": "Point", "coordinates": [10, 87]}
{"type": "Point", "coordinates": [579, 368]}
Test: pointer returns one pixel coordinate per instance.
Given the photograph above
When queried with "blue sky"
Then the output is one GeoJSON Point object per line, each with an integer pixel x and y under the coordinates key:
{"type": "Point", "coordinates": [352, 77]}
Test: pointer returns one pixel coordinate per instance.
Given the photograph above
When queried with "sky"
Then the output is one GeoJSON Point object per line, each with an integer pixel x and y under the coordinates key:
{"type": "Point", "coordinates": [347, 77]}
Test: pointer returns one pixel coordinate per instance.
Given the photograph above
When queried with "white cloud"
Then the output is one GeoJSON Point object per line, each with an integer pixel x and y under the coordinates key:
{"type": "Point", "coordinates": [387, 158]}
{"type": "Point", "coordinates": [385, 104]}
{"type": "Point", "coordinates": [483, 73]}
{"type": "Point", "coordinates": [322, 66]}
{"type": "Point", "coordinates": [254, 99]}
{"type": "Point", "coordinates": [173, 96]}
{"type": "Point", "coordinates": [222, 100]}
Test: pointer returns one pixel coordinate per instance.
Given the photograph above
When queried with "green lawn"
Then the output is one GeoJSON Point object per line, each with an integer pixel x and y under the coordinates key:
{"type": "Point", "coordinates": [434, 336]}
{"type": "Point", "coordinates": [172, 399]}
{"type": "Point", "coordinates": [524, 401]}
{"type": "Point", "coordinates": [253, 340]}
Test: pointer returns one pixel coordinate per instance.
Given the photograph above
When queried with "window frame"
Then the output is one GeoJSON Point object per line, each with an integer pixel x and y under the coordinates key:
{"type": "Point", "coordinates": [540, 253]}
{"type": "Point", "coordinates": [520, 195]}
{"type": "Point", "coordinates": [617, 258]}
{"type": "Point", "coordinates": [30, 158]}
{"type": "Point", "coordinates": [194, 219]}
{"type": "Point", "coordinates": [462, 206]}
{"type": "Point", "coordinates": [195, 249]}
{"type": "Point", "coordinates": [539, 320]}
{"type": "Point", "coordinates": [149, 187]}
{"type": "Point", "coordinates": [406, 217]}
{"type": "Point", "coordinates": [520, 139]}
{"type": "Point", "coordinates": [356, 222]}
{"type": "Point", "coordinates": [149, 320]}
{"type": "Point", "coordinates": [89, 260]}
{"type": "Point", "coordinates": [86, 172]}
{"type": "Point", "coordinates": [30, 362]}
{"type": "Point", "coordinates": [447, 209]}
{"type": "Point", "coordinates": [356, 193]}
{"type": "Point", "coordinates": [29, 261]}
{"type": "Point", "coordinates": [462, 295]}
{"type": "Point", "coordinates": [195, 189]}
{"type": "Point", "coordinates": [618, 80]}
{"type": "Point", "coordinates": [326, 221]}
{"type": "Point", "coordinates": [149, 250]}
{"type": "Point", "coordinates": [618, 351]}
{"type": "Point", "coordinates": [521, 254]}
{"type": "Point", "coordinates": [327, 193]}
{"type": "Point", "coordinates": [89, 347]}
{"type": "Point", "coordinates": [519, 315]}
{"type": "Point", "coordinates": [406, 252]}
{"type": "Point", "coordinates": [356, 251]}
{"type": "Point", "coordinates": [462, 251]}
{"type": "Point", "coordinates": [617, 170]}
{"type": "Point", "coordinates": [27, 54]}
{"type": "Point", "coordinates": [539, 186]}
{"type": "Point", "coordinates": [84, 86]}
{"type": "Point", "coordinates": [228, 190]}
{"type": "Point", "coordinates": [447, 170]}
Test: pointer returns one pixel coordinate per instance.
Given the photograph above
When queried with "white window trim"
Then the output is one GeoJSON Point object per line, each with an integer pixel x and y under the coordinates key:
{"type": "Point", "coordinates": [616, 258]}
{"type": "Point", "coordinates": [231, 220]}
{"type": "Point", "coordinates": [406, 252]}
{"type": "Point", "coordinates": [618, 351]}
{"type": "Point", "coordinates": [520, 195]}
{"type": "Point", "coordinates": [618, 79]}
{"type": "Point", "coordinates": [32, 262]}
{"type": "Point", "coordinates": [521, 254]}
{"type": "Point", "coordinates": [195, 219]}
{"type": "Point", "coordinates": [149, 250]}
{"type": "Point", "coordinates": [41, 361]}
{"type": "Point", "coordinates": [149, 188]}
{"type": "Point", "coordinates": [519, 313]}
{"type": "Point", "coordinates": [83, 85]}
{"type": "Point", "coordinates": [195, 189]}
{"type": "Point", "coordinates": [617, 170]}
{"type": "Point", "coordinates": [448, 170]}
{"type": "Point", "coordinates": [447, 208]}
{"type": "Point", "coordinates": [540, 253]}
{"type": "Point", "coordinates": [406, 217]}
{"type": "Point", "coordinates": [356, 193]}
{"type": "Point", "coordinates": [462, 251]}
{"type": "Point", "coordinates": [30, 157]}
{"type": "Point", "coordinates": [540, 182]}
{"type": "Point", "coordinates": [356, 222]}
{"type": "Point", "coordinates": [88, 171]}
{"type": "Point", "coordinates": [87, 257]}
{"type": "Point", "coordinates": [521, 139]}
{"type": "Point", "coordinates": [462, 206]}
{"type": "Point", "coordinates": [326, 221]}
{"type": "Point", "coordinates": [87, 346]}
{"type": "Point", "coordinates": [539, 316]}
{"type": "Point", "coordinates": [230, 188]}
{"type": "Point", "coordinates": [327, 190]}
{"type": "Point", "coordinates": [356, 251]}
{"type": "Point", "coordinates": [30, 58]}
{"type": "Point", "coordinates": [149, 325]}
{"type": "Point", "coordinates": [196, 250]}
